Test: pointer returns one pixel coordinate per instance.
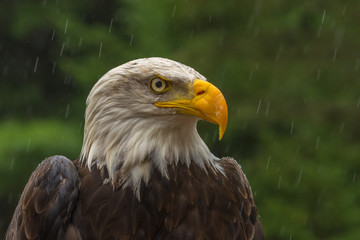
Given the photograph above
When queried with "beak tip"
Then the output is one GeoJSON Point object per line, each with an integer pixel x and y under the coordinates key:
{"type": "Point", "coordinates": [221, 132]}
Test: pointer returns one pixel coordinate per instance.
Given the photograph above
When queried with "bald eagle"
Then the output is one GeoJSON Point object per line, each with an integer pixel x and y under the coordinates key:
{"type": "Point", "coordinates": [143, 172]}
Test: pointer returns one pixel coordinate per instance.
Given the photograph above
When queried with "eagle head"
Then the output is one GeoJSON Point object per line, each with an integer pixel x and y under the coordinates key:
{"type": "Point", "coordinates": [142, 116]}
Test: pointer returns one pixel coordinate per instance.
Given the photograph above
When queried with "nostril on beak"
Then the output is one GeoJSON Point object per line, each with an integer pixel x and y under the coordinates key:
{"type": "Point", "coordinates": [200, 92]}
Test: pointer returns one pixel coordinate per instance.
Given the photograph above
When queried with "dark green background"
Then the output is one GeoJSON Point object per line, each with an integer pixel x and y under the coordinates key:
{"type": "Point", "coordinates": [289, 72]}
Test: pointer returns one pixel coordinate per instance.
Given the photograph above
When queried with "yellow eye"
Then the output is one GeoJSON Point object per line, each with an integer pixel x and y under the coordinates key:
{"type": "Point", "coordinates": [158, 85]}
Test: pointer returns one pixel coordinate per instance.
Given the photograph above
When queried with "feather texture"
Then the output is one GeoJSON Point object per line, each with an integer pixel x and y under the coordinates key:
{"type": "Point", "coordinates": [46, 205]}
{"type": "Point", "coordinates": [190, 204]}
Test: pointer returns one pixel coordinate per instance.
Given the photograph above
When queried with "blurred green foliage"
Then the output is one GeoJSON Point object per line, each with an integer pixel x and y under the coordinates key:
{"type": "Point", "coordinates": [289, 71]}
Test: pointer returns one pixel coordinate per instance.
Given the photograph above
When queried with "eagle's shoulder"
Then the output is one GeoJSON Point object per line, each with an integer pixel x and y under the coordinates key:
{"type": "Point", "coordinates": [238, 186]}
{"type": "Point", "coordinates": [234, 173]}
{"type": "Point", "coordinates": [47, 201]}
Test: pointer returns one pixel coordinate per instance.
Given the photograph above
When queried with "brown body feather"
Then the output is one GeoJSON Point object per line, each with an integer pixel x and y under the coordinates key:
{"type": "Point", "coordinates": [191, 204]}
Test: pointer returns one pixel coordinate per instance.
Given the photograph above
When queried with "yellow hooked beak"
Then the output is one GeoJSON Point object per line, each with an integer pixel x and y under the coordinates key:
{"type": "Point", "coordinates": [208, 103]}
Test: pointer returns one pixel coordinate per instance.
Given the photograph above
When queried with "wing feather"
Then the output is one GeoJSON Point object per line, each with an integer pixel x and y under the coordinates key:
{"type": "Point", "coordinates": [47, 202]}
{"type": "Point", "coordinates": [249, 222]}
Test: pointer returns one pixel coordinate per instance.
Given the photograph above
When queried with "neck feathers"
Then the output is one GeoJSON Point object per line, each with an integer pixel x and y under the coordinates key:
{"type": "Point", "coordinates": [131, 148]}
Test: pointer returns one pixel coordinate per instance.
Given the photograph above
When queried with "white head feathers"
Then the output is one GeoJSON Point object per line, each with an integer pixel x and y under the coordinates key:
{"type": "Point", "coordinates": [128, 134]}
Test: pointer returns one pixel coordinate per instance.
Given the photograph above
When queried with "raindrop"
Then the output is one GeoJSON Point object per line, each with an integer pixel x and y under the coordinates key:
{"type": "Point", "coordinates": [66, 26]}
{"type": "Point", "coordinates": [241, 207]}
{"type": "Point", "coordinates": [80, 41]}
{"type": "Point", "coordinates": [80, 127]}
{"type": "Point", "coordinates": [10, 200]}
{"type": "Point", "coordinates": [5, 70]}
{"type": "Point", "coordinates": [44, 2]}
{"type": "Point", "coordinates": [111, 23]}
{"type": "Point", "coordinates": [251, 74]}
{"type": "Point", "coordinates": [100, 49]}
{"type": "Point", "coordinates": [305, 100]}
{"type": "Point", "coordinates": [227, 147]}
{"type": "Point", "coordinates": [342, 127]}
{"type": "Point", "coordinates": [318, 75]}
{"type": "Point", "coordinates": [292, 127]}
{"type": "Point", "coordinates": [210, 18]}
{"type": "Point", "coordinates": [256, 31]}
{"type": "Point", "coordinates": [245, 125]}
{"type": "Point", "coordinates": [344, 10]}
{"type": "Point", "coordinates": [258, 108]}
{"type": "Point", "coordinates": [355, 173]}
{"type": "Point", "coordinates": [306, 48]}
{"type": "Point", "coordinates": [278, 53]}
{"type": "Point", "coordinates": [12, 163]}
{"type": "Point", "coordinates": [214, 137]}
{"type": "Point", "coordinates": [319, 199]}
{"type": "Point", "coordinates": [53, 35]}
{"type": "Point", "coordinates": [317, 142]}
{"type": "Point", "coordinates": [357, 64]}
{"type": "Point", "coordinates": [279, 183]}
{"type": "Point", "coordinates": [323, 17]}
{"type": "Point", "coordinates": [282, 230]}
{"type": "Point", "coordinates": [255, 14]}
{"type": "Point", "coordinates": [67, 110]}
{"type": "Point", "coordinates": [305, 220]}
{"type": "Point", "coordinates": [268, 162]}
{"type": "Point", "coordinates": [267, 108]}
{"type": "Point", "coordinates": [358, 103]}
{"type": "Point", "coordinates": [191, 35]}
{"type": "Point", "coordinates": [335, 52]}
{"type": "Point", "coordinates": [322, 22]}
{"type": "Point", "coordinates": [67, 80]}
{"type": "Point", "coordinates": [131, 39]}
{"type": "Point", "coordinates": [62, 48]}
{"type": "Point", "coordinates": [173, 12]}
{"type": "Point", "coordinates": [53, 68]}
{"type": "Point", "coordinates": [28, 145]}
{"type": "Point", "coordinates": [300, 176]}
{"type": "Point", "coordinates": [36, 64]}
{"type": "Point", "coordinates": [319, 31]}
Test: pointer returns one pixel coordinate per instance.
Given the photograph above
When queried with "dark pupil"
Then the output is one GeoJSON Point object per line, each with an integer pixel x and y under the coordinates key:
{"type": "Point", "coordinates": [158, 84]}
